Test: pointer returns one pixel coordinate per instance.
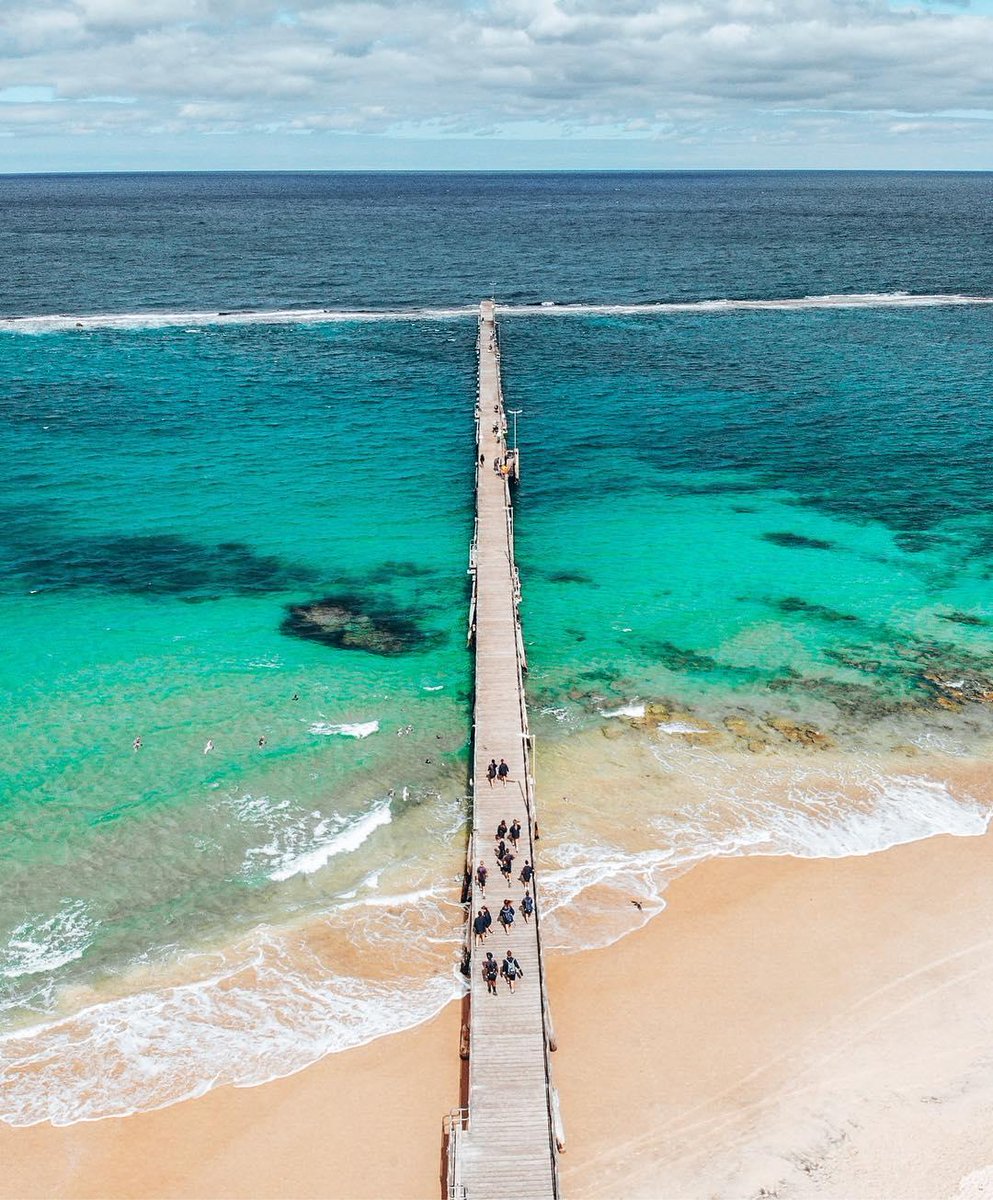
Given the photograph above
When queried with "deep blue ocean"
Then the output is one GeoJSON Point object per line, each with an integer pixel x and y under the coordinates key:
{"type": "Point", "coordinates": [756, 418]}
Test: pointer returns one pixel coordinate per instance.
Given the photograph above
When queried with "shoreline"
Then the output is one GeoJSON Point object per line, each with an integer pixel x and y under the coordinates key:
{"type": "Point", "coordinates": [771, 1024]}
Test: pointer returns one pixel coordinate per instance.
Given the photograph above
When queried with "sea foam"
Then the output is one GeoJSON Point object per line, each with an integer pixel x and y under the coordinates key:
{"type": "Point", "coordinates": [595, 894]}
{"type": "Point", "coordinates": [361, 729]}
{"type": "Point", "coordinates": [191, 322]}
{"type": "Point", "coordinates": [266, 1017]}
{"type": "Point", "coordinates": [343, 840]}
{"type": "Point", "coordinates": [43, 944]}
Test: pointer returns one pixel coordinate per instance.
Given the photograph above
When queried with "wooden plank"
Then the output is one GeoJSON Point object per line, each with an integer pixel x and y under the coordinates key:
{"type": "Point", "coordinates": [507, 1149]}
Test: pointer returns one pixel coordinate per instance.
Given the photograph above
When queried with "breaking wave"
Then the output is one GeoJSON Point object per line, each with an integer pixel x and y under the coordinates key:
{"type": "Point", "coordinates": [192, 322]}
{"type": "Point", "coordinates": [262, 1018]}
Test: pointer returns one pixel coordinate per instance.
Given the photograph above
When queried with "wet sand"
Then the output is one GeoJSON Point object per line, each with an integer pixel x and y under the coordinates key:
{"type": "Point", "coordinates": [813, 1028]}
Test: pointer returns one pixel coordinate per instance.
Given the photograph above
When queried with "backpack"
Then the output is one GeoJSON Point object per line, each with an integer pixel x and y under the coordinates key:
{"type": "Point", "coordinates": [512, 968]}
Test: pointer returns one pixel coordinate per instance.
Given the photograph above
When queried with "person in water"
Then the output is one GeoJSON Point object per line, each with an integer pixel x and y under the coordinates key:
{"type": "Point", "coordinates": [136, 744]}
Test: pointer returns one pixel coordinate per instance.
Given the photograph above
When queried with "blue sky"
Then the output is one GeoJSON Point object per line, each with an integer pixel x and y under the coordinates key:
{"type": "Point", "coordinates": [475, 84]}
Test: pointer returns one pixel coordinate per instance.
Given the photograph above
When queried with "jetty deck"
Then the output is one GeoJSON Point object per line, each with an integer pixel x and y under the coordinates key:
{"type": "Point", "coordinates": [504, 1144]}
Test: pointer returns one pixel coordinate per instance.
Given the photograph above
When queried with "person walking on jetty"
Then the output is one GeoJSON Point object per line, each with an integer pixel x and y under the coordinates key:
{"type": "Point", "coordinates": [503, 771]}
{"type": "Point", "coordinates": [501, 850]}
{"type": "Point", "coordinates": [487, 918]}
{"type": "Point", "coordinates": [481, 873]}
{"type": "Point", "coordinates": [479, 928]}
{"type": "Point", "coordinates": [515, 832]}
{"type": "Point", "coordinates": [507, 916]}
{"type": "Point", "coordinates": [502, 831]}
{"type": "Point", "coordinates": [527, 907]}
{"type": "Point", "coordinates": [511, 969]}
{"type": "Point", "coordinates": [507, 865]}
{"type": "Point", "coordinates": [527, 873]}
{"type": "Point", "coordinates": [490, 972]}
{"type": "Point", "coordinates": [491, 771]}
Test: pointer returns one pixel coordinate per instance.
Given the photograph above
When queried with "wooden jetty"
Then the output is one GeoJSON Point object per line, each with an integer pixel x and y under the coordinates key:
{"type": "Point", "coordinates": [503, 1144]}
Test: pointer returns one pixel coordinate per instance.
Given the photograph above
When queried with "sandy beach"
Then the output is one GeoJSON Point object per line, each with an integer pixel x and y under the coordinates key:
{"type": "Point", "coordinates": [786, 1027]}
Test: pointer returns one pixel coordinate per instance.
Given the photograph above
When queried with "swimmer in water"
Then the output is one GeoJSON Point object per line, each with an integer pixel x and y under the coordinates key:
{"type": "Point", "coordinates": [137, 742]}
{"type": "Point", "coordinates": [261, 741]}
{"type": "Point", "coordinates": [209, 746]}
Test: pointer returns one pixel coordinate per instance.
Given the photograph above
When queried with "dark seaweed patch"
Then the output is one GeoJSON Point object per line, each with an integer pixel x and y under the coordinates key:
{"type": "Point", "coordinates": [351, 622]}
{"type": "Point", "coordinates": [796, 541]}
{"type": "Point", "coordinates": [570, 577]}
{"type": "Point", "coordinates": [796, 604]}
{"type": "Point", "coordinates": [160, 565]}
{"type": "Point", "coordinates": [961, 618]}
{"type": "Point", "coordinates": [392, 570]}
{"type": "Point", "coordinates": [678, 658]}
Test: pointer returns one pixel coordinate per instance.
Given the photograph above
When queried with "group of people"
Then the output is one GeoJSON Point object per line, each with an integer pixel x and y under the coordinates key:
{"type": "Point", "coordinates": [498, 771]}
{"type": "Point", "coordinates": [510, 968]}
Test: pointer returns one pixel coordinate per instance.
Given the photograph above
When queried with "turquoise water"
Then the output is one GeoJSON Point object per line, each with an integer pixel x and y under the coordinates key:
{"type": "Point", "coordinates": [765, 509]}
{"type": "Point", "coordinates": [185, 489]}
{"type": "Point", "coordinates": [740, 513]}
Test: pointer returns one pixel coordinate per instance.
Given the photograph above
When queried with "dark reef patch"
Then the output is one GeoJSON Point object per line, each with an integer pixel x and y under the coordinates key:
{"type": "Point", "coordinates": [796, 541]}
{"type": "Point", "coordinates": [796, 604]}
{"type": "Point", "coordinates": [962, 618]}
{"type": "Point", "coordinates": [352, 622]}
{"type": "Point", "coordinates": [158, 565]}
{"type": "Point", "coordinates": [391, 570]}
{"type": "Point", "coordinates": [570, 577]}
{"type": "Point", "coordinates": [679, 659]}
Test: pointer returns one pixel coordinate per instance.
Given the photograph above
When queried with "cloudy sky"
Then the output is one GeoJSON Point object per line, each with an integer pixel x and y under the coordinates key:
{"type": "Point", "coordinates": [324, 84]}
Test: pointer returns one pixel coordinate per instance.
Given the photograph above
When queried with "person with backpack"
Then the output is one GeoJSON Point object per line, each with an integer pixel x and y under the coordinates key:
{"type": "Point", "coordinates": [511, 969]}
{"type": "Point", "coordinates": [527, 873]}
{"type": "Point", "coordinates": [527, 907]}
{"type": "Point", "coordinates": [515, 832]}
{"type": "Point", "coordinates": [479, 927]}
{"type": "Point", "coordinates": [490, 972]}
{"type": "Point", "coordinates": [506, 917]}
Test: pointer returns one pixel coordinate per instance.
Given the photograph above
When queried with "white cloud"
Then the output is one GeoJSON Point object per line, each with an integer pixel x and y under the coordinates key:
{"type": "Point", "coordinates": [374, 65]}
